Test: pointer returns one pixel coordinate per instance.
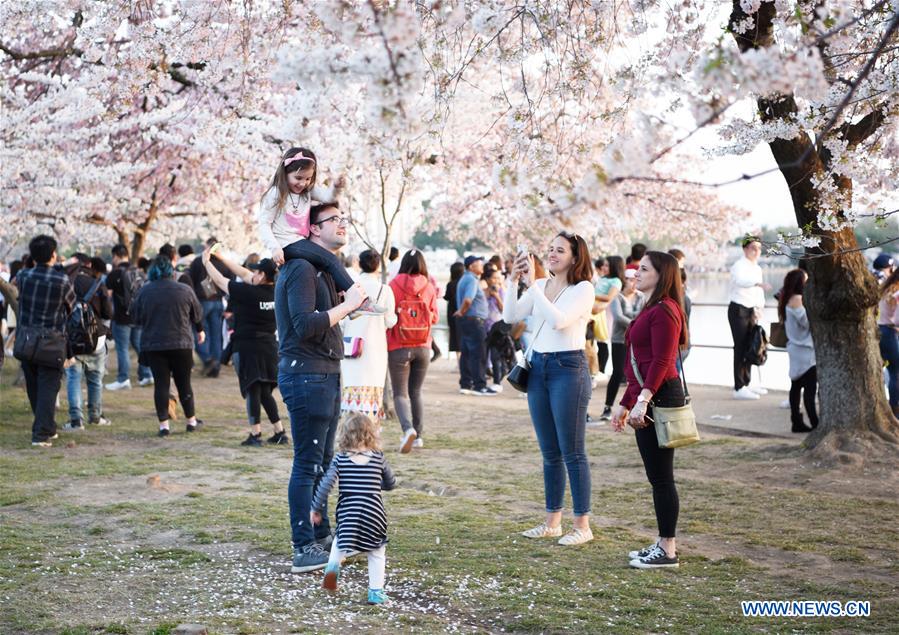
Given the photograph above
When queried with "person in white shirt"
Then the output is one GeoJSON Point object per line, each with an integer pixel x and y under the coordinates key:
{"type": "Point", "coordinates": [747, 299]}
{"type": "Point", "coordinates": [558, 388]}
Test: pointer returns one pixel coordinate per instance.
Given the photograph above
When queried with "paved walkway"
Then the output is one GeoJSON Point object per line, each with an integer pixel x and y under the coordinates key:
{"type": "Point", "coordinates": [715, 407]}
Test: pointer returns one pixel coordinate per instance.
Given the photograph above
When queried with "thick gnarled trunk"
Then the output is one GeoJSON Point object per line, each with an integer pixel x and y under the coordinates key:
{"type": "Point", "coordinates": [841, 296]}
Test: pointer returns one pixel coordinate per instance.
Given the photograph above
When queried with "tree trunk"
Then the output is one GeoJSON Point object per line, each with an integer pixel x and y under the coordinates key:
{"type": "Point", "coordinates": [139, 239]}
{"type": "Point", "coordinates": [841, 295]}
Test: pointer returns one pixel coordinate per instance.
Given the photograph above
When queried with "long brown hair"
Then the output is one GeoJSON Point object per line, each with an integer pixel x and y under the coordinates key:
{"type": "Point", "coordinates": [794, 284]}
{"type": "Point", "coordinates": [668, 286]}
{"type": "Point", "coordinates": [279, 180]}
{"type": "Point", "coordinates": [581, 268]}
{"type": "Point", "coordinates": [414, 263]}
{"type": "Point", "coordinates": [889, 285]}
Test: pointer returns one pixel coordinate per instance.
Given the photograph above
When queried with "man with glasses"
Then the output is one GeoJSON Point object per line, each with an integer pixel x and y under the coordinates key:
{"type": "Point", "coordinates": [310, 346]}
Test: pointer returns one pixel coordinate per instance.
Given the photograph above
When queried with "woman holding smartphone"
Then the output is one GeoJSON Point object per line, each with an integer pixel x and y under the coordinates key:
{"type": "Point", "coordinates": [559, 382]}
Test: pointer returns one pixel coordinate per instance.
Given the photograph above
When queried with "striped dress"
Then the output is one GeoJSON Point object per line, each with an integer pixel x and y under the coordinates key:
{"type": "Point", "coordinates": [361, 520]}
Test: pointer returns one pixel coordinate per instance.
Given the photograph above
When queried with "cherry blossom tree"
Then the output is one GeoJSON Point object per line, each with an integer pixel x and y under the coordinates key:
{"type": "Point", "coordinates": [129, 118]}
{"type": "Point", "coordinates": [824, 77]}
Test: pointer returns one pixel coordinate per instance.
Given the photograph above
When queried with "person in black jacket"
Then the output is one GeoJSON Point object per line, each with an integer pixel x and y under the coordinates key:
{"type": "Point", "coordinates": [255, 346]}
{"type": "Point", "coordinates": [168, 312]}
{"type": "Point", "coordinates": [85, 273]}
{"type": "Point", "coordinates": [457, 270]}
{"type": "Point", "coordinates": [123, 283]}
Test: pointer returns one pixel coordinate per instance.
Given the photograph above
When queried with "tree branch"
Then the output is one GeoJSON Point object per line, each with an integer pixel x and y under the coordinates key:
{"type": "Point", "coordinates": [861, 130]}
{"type": "Point", "coordinates": [50, 53]}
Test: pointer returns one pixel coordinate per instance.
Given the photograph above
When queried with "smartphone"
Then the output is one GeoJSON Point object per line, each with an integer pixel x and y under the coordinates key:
{"type": "Point", "coordinates": [216, 247]}
{"type": "Point", "coordinates": [522, 249]}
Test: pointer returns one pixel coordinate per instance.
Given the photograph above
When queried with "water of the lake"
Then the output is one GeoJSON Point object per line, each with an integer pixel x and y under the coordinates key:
{"type": "Point", "coordinates": [708, 326]}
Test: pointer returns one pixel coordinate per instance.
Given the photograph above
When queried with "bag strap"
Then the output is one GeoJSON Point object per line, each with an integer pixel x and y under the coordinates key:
{"type": "Point", "coordinates": [681, 372]}
{"type": "Point", "coordinates": [540, 328]}
{"type": "Point", "coordinates": [93, 290]}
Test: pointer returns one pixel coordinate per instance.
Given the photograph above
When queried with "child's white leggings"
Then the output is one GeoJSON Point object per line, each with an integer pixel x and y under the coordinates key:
{"type": "Point", "coordinates": [377, 561]}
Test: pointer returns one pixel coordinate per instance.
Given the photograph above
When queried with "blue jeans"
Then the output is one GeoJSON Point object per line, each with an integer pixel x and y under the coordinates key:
{"type": "Point", "coordinates": [211, 349]}
{"type": "Point", "coordinates": [558, 394]}
{"type": "Point", "coordinates": [889, 351]}
{"type": "Point", "coordinates": [313, 402]}
{"type": "Point", "coordinates": [472, 353]}
{"type": "Point", "coordinates": [93, 367]}
{"type": "Point", "coordinates": [123, 335]}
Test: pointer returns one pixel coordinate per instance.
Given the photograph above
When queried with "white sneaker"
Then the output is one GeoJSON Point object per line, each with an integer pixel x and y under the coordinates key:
{"type": "Point", "coordinates": [745, 394]}
{"type": "Point", "coordinates": [497, 388]}
{"type": "Point", "coordinates": [466, 391]}
{"type": "Point", "coordinates": [576, 537]}
{"type": "Point", "coordinates": [758, 390]}
{"type": "Point", "coordinates": [418, 443]}
{"type": "Point", "coordinates": [145, 382]}
{"type": "Point", "coordinates": [408, 440]}
{"type": "Point", "coordinates": [119, 385]}
{"type": "Point", "coordinates": [543, 531]}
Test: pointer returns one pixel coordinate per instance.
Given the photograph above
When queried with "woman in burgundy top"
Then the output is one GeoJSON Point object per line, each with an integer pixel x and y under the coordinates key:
{"type": "Point", "coordinates": [654, 337]}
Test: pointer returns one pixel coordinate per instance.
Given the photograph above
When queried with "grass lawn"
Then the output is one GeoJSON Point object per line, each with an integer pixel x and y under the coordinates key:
{"type": "Point", "coordinates": [91, 541]}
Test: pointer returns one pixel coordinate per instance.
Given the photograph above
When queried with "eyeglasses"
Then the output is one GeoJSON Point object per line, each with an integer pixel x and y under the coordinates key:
{"type": "Point", "coordinates": [342, 221]}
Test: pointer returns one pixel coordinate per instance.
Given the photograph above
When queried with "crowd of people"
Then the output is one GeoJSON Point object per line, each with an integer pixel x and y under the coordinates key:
{"type": "Point", "coordinates": [332, 340]}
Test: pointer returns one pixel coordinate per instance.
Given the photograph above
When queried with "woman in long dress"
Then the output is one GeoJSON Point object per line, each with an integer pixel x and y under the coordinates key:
{"type": "Point", "coordinates": [363, 377]}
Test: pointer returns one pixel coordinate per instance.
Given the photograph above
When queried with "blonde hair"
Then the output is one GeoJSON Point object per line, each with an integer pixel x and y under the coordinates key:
{"type": "Point", "coordinates": [357, 432]}
{"type": "Point", "coordinates": [279, 180]}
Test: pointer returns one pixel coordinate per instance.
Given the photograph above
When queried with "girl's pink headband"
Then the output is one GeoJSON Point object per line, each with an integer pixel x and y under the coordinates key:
{"type": "Point", "coordinates": [297, 157]}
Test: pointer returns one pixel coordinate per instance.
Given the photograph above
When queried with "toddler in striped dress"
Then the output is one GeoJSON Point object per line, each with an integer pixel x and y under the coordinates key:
{"type": "Point", "coordinates": [363, 472]}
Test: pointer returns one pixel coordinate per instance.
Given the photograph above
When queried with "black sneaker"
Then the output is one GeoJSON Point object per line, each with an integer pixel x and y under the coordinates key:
{"type": "Point", "coordinates": [74, 424]}
{"type": "Point", "coordinates": [606, 414]}
{"type": "Point", "coordinates": [102, 421]}
{"type": "Point", "coordinates": [655, 559]}
{"type": "Point", "coordinates": [309, 557]}
{"type": "Point", "coordinates": [279, 438]}
{"type": "Point", "coordinates": [254, 440]}
{"type": "Point", "coordinates": [163, 432]}
{"type": "Point", "coordinates": [642, 553]}
{"type": "Point", "coordinates": [485, 392]}
{"type": "Point", "coordinates": [194, 427]}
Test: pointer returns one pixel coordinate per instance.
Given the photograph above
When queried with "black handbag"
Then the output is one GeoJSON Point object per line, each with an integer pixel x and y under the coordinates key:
{"type": "Point", "coordinates": [40, 346]}
{"type": "Point", "coordinates": [518, 376]}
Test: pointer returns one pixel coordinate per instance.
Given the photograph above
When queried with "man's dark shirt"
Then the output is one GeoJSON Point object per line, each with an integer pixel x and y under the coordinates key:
{"type": "Point", "coordinates": [307, 343]}
{"type": "Point", "coordinates": [115, 282]}
{"type": "Point", "coordinates": [46, 297]}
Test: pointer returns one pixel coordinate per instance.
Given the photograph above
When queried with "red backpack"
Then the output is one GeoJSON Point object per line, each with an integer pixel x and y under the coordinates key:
{"type": "Point", "coordinates": [413, 324]}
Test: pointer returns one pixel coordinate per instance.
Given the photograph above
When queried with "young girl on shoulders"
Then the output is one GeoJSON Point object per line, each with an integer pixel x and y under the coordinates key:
{"type": "Point", "coordinates": [284, 214]}
{"type": "Point", "coordinates": [363, 472]}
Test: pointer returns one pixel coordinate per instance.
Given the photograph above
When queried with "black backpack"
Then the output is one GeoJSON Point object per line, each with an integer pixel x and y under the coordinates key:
{"type": "Point", "coordinates": [83, 328]}
{"type": "Point", "coordinates": [133, 278]}
{"type": "Point", "coordinates": [757, 346]}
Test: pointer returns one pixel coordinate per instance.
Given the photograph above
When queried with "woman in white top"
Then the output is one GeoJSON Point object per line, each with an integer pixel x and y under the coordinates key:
{"type": "Point", "coordinates": [363, 377]}
{"type": "Point", "coordinates": [800, 348]}
{"type": "Point", "coordinates": [747, 299]}
{"type": "Point", "coordinates": [559, 382]}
